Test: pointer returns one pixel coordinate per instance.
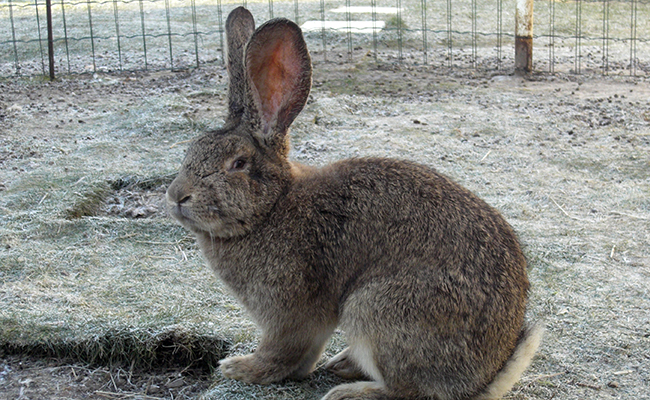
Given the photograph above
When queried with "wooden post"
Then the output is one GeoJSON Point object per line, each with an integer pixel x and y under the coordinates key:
{"type": "Point", "coordinates": [524, 36]}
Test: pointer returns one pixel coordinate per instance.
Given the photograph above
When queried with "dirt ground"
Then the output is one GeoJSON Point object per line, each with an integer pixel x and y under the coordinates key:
{"type": "Point", "coordinates": [33, 378]}
{"type": "Point", "coordinates": [572, 107]}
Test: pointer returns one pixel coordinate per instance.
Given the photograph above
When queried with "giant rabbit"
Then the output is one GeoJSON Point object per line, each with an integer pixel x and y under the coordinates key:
{"type": "Point", "coordinates": [427, 281]}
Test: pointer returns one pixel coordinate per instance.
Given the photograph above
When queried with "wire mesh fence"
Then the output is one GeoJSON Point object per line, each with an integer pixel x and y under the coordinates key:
{"type": "Point", "coordinates": [576, 36]}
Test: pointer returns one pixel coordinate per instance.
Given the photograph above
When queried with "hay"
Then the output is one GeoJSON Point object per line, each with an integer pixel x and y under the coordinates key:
{"type": "Point", "coordinates": [140, 348]}
{"type": "Point", "coordinates": [89, 203]}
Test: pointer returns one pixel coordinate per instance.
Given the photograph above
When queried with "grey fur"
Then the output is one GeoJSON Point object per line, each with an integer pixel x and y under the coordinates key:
{"type": "Point", "coordinates": [239, 28]}
{"type": "Point", "coordinates": [427, 280]}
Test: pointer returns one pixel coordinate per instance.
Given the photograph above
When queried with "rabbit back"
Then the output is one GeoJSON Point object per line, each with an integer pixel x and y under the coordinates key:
{"type": "Point", "coordinates": [432, 282]}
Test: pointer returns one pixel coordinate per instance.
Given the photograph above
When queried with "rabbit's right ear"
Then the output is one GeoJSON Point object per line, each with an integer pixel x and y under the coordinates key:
{"type": "Point", "coordinates": [278, 69]}
{"type": "Point", "coordinates": [240, 26]}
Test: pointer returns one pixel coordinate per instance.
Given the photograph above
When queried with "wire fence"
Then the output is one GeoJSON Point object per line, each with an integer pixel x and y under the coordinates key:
{"type": "Point", "coordinates": [577, 36]}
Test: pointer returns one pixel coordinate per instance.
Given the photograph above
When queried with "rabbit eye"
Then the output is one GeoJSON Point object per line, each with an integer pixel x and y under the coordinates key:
{"type": "Point", "coordinates": [238, 164]}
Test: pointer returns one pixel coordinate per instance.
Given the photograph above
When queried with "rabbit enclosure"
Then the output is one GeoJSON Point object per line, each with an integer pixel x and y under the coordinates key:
{"type": "Point", "coordinates": [103, 296]}
{"type": "Point", "coordinates": [87, 36]}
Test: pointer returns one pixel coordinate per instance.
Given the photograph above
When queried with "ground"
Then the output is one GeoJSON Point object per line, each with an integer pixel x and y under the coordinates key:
{"type": "Point", "coordinates": [565, 158]}
{"type": "Point", "coordinates": [49, 379]}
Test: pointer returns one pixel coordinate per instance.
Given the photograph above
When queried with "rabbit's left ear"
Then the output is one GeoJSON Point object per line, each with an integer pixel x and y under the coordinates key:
{"type": "Point", "coordinates": [240, 26]}
{"type": "Point", "coordinates": [278, 69]}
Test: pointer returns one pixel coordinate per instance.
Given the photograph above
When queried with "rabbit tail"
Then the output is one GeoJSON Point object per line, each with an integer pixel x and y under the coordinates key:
{"type": "Point", "coordinates": [529, 341]}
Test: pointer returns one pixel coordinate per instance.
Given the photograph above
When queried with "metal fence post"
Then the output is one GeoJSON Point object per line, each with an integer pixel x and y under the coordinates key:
{"type": "Point", "coordinates": [50, 37]}
{"type": "Point", "coordinates": [40, 39]}
{"type": "Point", "coordinates": [92, 36]}
{"type": "Point", "coordinates": [524, 36]}
{"type": "Point", "coordinates": [13, 37]}
{"type": "Point", "coordinates": [65, 35]}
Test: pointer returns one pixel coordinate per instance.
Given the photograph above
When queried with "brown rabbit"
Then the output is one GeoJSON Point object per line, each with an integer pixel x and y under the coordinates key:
{"type": "Point", "coordinates": [427, 281]}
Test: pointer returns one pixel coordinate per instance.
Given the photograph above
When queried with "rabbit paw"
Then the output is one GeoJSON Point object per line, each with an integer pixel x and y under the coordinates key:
{"type": "Point", "coordinates": [343, 366]}
{"type": "Point", "coordinates": [240, 368]}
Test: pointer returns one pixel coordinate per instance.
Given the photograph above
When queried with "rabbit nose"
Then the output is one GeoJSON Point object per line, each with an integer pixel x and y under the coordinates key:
{"type": "Point", "coordinates": [176, 194]}
{"type": "Point", "coordinates": [176, 198]}
{"type": "Point", "coordinates": [184, 199]}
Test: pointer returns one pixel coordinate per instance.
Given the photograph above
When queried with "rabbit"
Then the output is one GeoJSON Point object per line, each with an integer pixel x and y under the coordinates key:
{"type": "Point", "coordinates": [427, 281]}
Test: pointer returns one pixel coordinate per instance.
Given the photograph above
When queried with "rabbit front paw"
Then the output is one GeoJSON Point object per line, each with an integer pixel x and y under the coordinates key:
{"type": "Point", "coordinates": [254, 369]}
{"type": "Point", "coordinates": [240, 368]}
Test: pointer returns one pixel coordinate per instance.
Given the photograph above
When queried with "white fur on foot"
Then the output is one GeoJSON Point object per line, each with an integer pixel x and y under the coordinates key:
{"type": "Point", "coordinates": [362, 355]}
{"type": "Point", "coordinates": [357, 391]}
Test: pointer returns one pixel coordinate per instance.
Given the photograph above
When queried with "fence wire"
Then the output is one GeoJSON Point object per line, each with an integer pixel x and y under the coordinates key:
{"type": "Point", "coordinates": [133, 35]}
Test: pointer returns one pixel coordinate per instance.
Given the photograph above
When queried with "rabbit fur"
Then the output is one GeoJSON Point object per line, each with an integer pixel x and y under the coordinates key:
{"type": "Point", "coordinates": [428, 282]}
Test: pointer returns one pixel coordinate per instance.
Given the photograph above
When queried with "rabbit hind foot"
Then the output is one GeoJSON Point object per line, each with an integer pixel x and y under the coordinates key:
{"type": "Point", "coordinates": [345, 367]}
{"type": "Point", "coordinates": [356, 362]}
{"type": "Point", "coordinates": [358, 391]}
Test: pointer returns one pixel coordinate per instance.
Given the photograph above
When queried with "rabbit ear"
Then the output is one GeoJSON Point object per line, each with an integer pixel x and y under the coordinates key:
{"type": "Point", "coordinates": [278, 67]}
{"type": "Point", "coordinates": [240, 26]}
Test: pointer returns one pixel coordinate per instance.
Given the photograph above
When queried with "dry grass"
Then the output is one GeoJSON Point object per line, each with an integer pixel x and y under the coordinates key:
{"type": "Point", "coordinates": [80, 281]}
{"type": "Point", "coordinates": [565, 161]}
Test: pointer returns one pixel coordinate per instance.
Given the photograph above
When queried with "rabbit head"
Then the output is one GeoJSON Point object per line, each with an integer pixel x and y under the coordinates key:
{"type": "Point", "coordinates": [231, 177]}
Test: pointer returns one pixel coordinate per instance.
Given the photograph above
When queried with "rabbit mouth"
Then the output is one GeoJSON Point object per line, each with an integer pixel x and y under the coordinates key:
{"type": "Point", "coordinates": [178, 212]}
{"type": "Point", "coordinates": [182, 215]}
{"type": "Point", "coordinates": [217, 227]}
{"type": "Point", "coordinates": [180, 208]}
